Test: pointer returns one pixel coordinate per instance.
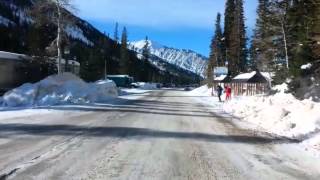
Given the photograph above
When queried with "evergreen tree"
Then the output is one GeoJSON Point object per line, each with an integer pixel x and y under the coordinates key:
{"type": "Point", "coordinates": [286, 36]}
{"type": "Point", "coordinates": [302, 17]}
{"type": "Point", "coordinates": [116, 33]}
{"type": "Point", "coordinates": [145, 76]}
{"type": "Point", "coordinates": [261, 42]}
{"type": "Point", "coordinates": [228, 31]}
{"type": "Point", "coordinates": [218, 39]}
{"type": "Point", "coordinates": [209, 73]}
{"type": "Point", "coordinates": [124, 57]}
{"type": "Point", "coordinates": [216, 51]}
{"type": "Point", "coordinates": [242, 38]}
{"type": "Point", "coordinates": [269, 51]}
{"type": "Point", "coordinates": [235, 37]}
{"type": "Point", "coordinates": [315, 30]}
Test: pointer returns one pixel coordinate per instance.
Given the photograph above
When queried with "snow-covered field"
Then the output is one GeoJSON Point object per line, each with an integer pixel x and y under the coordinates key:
{"type": "Point", "coordinates": [60, 89]}
{"type": "Point", "coordinates": [280, 114]}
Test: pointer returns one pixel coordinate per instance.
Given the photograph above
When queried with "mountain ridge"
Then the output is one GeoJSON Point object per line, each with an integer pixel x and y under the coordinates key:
{"type": "Point", "coordinates": [87, 44]}
{"type": "Point", "coordinates": [183, 58]}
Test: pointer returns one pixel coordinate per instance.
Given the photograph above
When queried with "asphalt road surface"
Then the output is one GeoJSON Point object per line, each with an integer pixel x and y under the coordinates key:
{"type": "Point", "coordinates": [161, 135]}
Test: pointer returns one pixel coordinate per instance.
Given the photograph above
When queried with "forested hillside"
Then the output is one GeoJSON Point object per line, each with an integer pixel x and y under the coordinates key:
{"type": "Point", "coordinates": [20, 33]}
{"type": "Point", "coordinates": [286, 43]}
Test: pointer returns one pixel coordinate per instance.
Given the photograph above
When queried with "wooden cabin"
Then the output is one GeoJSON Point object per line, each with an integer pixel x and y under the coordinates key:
{"type": "Point", "coordinates": [249, 84]}
{"type": "Point", "coordinates": [13, 70]}
{"type": "Point", "coordinates": [17, 69]}
{"type": "Point", "coordinates": [218, 80]}
{"type": "Point", "coordinates": [246, 84]}
{"type": "Point", "coordinates": [221, 80]}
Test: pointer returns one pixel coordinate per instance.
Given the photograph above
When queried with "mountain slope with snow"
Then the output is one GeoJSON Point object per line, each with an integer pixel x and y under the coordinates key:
{"type": "Point", "coordinates": [15, 14]}
{"type": "Point", "coordinates": [19, 34]}
{"type": "Point", "coordinates": [185, 59]}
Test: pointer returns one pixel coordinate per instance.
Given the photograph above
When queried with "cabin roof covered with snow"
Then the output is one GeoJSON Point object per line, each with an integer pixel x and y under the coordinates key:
{"type": "Point", "coordinates": [70, 62]}
{"type": "Point", "coordinates": [253, 77]}
{"type": "Point", "coordinates": [118, 76]}
{"type": "Point", "coordinates": [220, 78]}
{"type": "Point", "coordinates": [227, 79]}
{"type": "Point", "coordinates": [13, 56]}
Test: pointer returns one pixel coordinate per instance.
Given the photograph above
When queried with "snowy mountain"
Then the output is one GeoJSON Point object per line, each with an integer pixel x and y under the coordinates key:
{"type": "Point", "coordinates": [19, 34]}
{"type": "Point", "coordinates": [185, 59]}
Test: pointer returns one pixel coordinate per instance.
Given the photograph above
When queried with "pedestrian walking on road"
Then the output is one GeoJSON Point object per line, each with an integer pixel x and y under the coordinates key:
{"type": "Point", "coordinates": [219, 91]}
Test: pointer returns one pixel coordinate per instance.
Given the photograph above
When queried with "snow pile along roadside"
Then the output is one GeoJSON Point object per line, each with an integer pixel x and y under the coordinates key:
{"type": "Point", "coordinates": [202, 91]}
{"type": "Point", "coordinates": [280, 114]}
{"type": "Point", "coordinates": [147, 86]}
{"type": "Point", "coordinates": [60, 89]}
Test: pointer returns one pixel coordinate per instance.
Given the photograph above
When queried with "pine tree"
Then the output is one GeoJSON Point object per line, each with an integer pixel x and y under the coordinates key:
{"type": "Point", "coordinates": [209, 73]}
{"type": "Point", "coordinates": [269, 51]}
{"type": "Point", "coordinates": [261, 42]}
{"type": "Point", "coordinates": [218, 39]}
{"type": "Point", "coordinates": [242, 51]}
{"type": "Point", "coordinates": [315, 30]}
{"type": "Point", "coordinates": [211, 63]}
{"type": "Point", "coordinates": [124, 57]}
{"type": "Point", "coordinates": [303, 19]}
{"type": "Point", "coordinates": [228, 31]}
{"type": "Point", "coordinates": [216, 51]}
{"type": "Point", "coordinates": [286, 37]}
{"type": "Point", "coordinates": [235, 37]}
{"type": "Point", "coordinates": [116, 33]}
{"type": "Point", "coordinates": [145, 74]}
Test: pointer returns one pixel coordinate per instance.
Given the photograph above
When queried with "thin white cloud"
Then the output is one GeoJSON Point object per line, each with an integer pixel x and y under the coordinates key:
{"type": "Point", "coordinates": [153, 13]}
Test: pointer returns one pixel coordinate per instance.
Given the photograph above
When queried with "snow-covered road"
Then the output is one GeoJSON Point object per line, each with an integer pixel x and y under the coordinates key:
{"type": "Point", "coordinates": [162, 134]}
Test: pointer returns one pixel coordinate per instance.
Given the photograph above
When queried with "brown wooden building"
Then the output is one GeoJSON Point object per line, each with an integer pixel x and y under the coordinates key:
{"type": "Point", "coordinates": [247, 84]}
{"type": "Point", "coordinates": [250, 84]}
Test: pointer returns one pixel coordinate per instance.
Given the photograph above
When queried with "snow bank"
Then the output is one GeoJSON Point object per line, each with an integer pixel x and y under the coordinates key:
{"type": "Point", "coordinates": [126, 91]}
{"type": "Point", "coordinates": [313, 145]}
{"type": "Point", "coordinates": [147, 86]}
{"type": "Point", "coordinates": [13, 56]}
{"type": "Point", "coordinates": [205, 91]}
{"type": "Point", "coordinates": [282, 88]}
{"type": "Point", "coordinates": [280, 114]}
{"type": "Point", "coordinates": [60, 89]}
{"type": "Point", "coordinates": [306, 66]}
{"type": "Point", "coordinates": [201, 91]}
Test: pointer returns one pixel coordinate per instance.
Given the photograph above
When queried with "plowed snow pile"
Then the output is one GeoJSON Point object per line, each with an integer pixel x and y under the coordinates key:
{"type": "Point", "coordinates": [60, 89]}
{"type": "Point", "coordinates": [280, 114]}
{"type": "Point", "coordinates": [201, 91]}
{"type": "Point", "coordinates": [147, 86]}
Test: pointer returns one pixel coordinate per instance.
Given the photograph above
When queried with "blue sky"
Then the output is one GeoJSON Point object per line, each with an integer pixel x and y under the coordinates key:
{"type": "Point", "coordinates": [184, 24]}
